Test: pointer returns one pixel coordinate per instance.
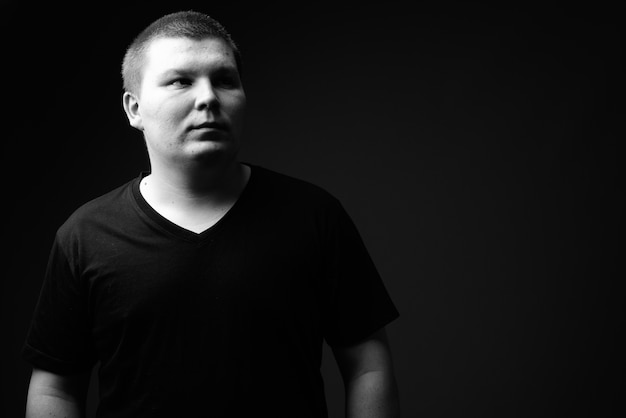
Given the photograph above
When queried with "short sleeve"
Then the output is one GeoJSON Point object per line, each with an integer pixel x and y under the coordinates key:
{"type": "Point", "coordinates": [359, 303]}
{"type": "Point", "coordinates": [59, 338]}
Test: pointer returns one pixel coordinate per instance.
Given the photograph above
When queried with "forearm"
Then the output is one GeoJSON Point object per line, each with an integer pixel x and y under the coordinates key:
{"type": "Point", "coordinates": [49, 405]}
{"type": "Point", "coordinates": [372, 395]}
{"type": "Point", "coordinates": [53, 395]}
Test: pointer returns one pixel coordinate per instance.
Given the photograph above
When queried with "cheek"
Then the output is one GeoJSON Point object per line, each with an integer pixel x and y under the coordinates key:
{"type": "Point", "coordinates": [236, 109]}
{"type": "Point", "coordinates": [165, 112]}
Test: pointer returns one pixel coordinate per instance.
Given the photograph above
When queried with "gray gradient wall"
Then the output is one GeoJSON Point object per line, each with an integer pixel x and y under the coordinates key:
{"type": "Point", "coordinates": [474, 146]}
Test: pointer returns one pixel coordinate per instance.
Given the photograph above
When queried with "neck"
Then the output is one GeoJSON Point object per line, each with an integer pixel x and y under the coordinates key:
{"type": "Point", "coordinates": [195, 186]}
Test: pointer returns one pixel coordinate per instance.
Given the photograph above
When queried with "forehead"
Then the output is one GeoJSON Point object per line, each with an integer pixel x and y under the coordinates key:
{"type": "Point", "coordinates": [163, 54]}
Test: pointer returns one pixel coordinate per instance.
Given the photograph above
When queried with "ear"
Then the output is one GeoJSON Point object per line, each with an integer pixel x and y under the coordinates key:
{"type": "Point", "coordinates": [131, 107]}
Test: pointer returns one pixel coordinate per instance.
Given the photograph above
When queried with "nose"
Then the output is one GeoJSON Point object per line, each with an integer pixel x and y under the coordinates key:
{"type": "Point", "coordinates": [206, 99]}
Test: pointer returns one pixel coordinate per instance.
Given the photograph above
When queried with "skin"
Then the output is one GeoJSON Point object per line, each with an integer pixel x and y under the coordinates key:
{"type": "Point", "coordinates": [54, 395]}
{"type": "Point", "coordinates": [195, 178]}
{"type": "Point", "coordinates": [186, 83]}
{"type": "Point", "coordinates": [367, 371]}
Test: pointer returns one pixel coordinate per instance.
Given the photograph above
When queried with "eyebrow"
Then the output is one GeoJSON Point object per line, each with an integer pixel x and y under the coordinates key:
{"type": "Point", "coordinates": [184, 72]}
{"type": "Point", "coordinates": [175, 73]}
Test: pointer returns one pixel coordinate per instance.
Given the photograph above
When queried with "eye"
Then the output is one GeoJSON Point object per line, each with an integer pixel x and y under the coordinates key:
{"type": "Point", "coordinates": [224, 82]}
{"type": "Point", "coordinates": [180, 82]}
{"type": "Point", "coordinates": [227, 81]}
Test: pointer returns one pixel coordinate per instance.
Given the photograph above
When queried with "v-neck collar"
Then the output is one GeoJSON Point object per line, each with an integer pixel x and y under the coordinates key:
{"type": "Point", "coordinates": [177, 231]}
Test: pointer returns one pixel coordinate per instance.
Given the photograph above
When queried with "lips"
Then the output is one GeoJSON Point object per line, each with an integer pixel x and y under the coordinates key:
{"type": "Point", "coordinates": [211, 125]}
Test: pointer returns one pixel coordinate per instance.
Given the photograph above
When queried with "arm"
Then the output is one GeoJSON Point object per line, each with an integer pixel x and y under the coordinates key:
{"type": "Point", "coordinates": [53, 395]}
{"type": "Point", "coordinates": [367, 372]}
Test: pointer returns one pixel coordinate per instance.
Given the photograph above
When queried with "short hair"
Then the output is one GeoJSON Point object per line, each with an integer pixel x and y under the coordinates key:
{"type": "Point", "coordinates": [184, 24]}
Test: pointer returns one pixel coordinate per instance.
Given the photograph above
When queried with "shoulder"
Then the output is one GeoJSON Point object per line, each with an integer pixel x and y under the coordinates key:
{"type": "Point", "coordinates": [290, 189]}
{"type": "Point", "coordinates": [101, 210]}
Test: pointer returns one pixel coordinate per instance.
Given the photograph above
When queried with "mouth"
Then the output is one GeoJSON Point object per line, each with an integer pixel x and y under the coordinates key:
{"type": "Point", "coordinates": [213, 126]}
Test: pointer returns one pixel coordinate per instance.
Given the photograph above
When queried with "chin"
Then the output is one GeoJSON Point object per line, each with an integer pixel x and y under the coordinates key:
{"type": "Point", "coordinates": [213, 152]}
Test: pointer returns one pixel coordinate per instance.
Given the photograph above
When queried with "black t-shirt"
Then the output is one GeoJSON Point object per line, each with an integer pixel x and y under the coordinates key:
{"type": "Point", "coordinates": [228, 322]}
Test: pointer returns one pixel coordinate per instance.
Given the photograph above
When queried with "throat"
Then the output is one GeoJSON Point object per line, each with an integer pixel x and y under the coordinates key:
{"type": "Point", "coordinates": [196, 222]}
{"type": "Point", "coordinates": [194, 212]}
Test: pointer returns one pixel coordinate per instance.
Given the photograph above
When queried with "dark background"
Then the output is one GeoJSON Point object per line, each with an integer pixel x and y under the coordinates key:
{"type": "Point", "coordinates": [475, 146]}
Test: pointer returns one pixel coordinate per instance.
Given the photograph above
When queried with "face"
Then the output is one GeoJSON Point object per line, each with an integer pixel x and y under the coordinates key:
{"type": "Point", "coordinates": [191, 101]}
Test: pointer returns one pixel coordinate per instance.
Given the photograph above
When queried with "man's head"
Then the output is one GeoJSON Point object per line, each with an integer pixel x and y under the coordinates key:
{"type": "Point", "coordinates": [184, 92]}
{"type": "Point", "coordinates": [186, 24]}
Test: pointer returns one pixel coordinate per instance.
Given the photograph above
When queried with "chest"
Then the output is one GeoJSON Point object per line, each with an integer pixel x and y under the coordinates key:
{"type": "Point", "coordinates": [237, 284]}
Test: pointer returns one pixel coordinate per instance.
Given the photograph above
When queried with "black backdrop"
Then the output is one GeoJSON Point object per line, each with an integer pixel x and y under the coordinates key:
{"type": "Point", "coordinates": [474, 145]}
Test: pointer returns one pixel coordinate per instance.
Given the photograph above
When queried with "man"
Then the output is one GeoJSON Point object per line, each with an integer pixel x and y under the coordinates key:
{"type": "Point", "coordinates": [207, 286]}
